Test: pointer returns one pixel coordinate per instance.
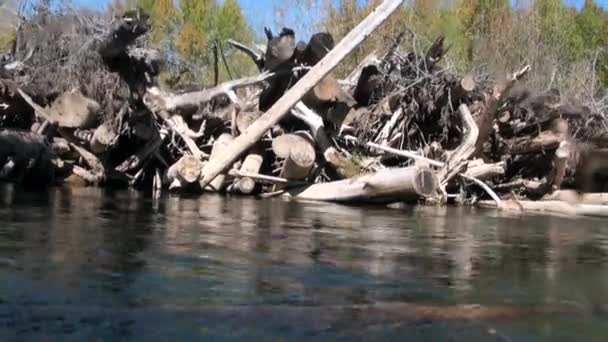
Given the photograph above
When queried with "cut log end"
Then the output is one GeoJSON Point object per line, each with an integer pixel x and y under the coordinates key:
{"type": "Point", "coordinates": [425, 182]}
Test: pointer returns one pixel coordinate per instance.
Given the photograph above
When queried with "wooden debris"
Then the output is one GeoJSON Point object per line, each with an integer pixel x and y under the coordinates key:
{"type": "Point", "coordinates": [383, 186]}
{"type": "Point", "coordinates": [400, 127]}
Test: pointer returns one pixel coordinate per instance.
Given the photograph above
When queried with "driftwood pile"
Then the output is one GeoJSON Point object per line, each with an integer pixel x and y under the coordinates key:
{"type": "Point", "coordinates": [80, 104]}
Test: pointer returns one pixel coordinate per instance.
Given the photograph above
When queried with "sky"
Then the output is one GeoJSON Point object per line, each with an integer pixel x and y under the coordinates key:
{"type": "Point", "coordinates": [261, 13]}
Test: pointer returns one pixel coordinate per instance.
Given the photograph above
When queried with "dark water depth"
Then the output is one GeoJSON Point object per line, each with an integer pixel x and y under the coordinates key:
{"type": "Point", "coordinates": [92, 265]}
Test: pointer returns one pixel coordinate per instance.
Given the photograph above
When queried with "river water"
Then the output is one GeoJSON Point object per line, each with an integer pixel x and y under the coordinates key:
{"type": "Point", "coordinates": [95, 265]}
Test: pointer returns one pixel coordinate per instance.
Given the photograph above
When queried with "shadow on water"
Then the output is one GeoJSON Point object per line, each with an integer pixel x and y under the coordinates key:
{"type": "Point", "coordinates": [97, 264]}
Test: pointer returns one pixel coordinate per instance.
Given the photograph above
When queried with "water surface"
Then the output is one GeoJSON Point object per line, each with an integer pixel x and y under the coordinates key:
{"type": "Point", "coordinates": [98, 265]}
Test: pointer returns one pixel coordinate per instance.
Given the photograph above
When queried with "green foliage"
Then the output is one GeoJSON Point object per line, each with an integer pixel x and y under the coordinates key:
{"type": "Point", "coordinates": [559, 28]}
{"type": "Point", "coordinates": [231, 22]}
{"type": "Point", "coordinates": [203, 23]}
{"type": "Point", "coordinates": [6, 37]}
{"type": "Point", "coordinates": [545, 33]}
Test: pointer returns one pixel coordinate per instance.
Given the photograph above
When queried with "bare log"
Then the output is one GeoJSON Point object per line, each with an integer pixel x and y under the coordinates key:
{"type": "Point", "coordinates": [531, 186]}
{"type": "Point", "coordinates": [486, 118]}
{"type": "Point", "coordinates": [329, 100]}
{"type": "Point", "coordinates": [251, 164]}
{"type": "Point", "coordinates": [480, 170]}
{"type": "Point", "coordinates": [572, 196]}
{"type": "Point", "coordinates": [70, 109]}
{"type": "Point", "coordinates": [103, 137]}
{"type": "Point", "coordinates": [407, 154]}
{"type": "Point", "coordinates": [259, 177]}
{"type": "Point", "coordinates": [299, 155]}
{"type": "Point", "coordinates": [314, 76]}
{"type": "Point", "coordinates": [186, 171]}
{"type": "Point", "coordinates": [256, 56]}
{"type": "Point", "coordinates": [560, 162]}
{"type": "Point", "coordinates": [464, 87]}
{"type": "Point", "coordinates": [388, 128]}
{"type": "Point", "coordinates": [387, 185]}
{"type": "Point", "coordinates": [341, 164]}
{"type": "Point", "coordinates": [178, 125]}
{"type": "Point", "coordinates": [557, 208]}
{"type": "Point", "coordinates": [219, 148]}
{"type": "Point", "coordinates": [486, 188]}
{"type": "Point", "coordinates": [157, 100]}
{"type": "Point", "coordinates": [245, 119]}
{"type": "Point", "coordinates": [545, 141]}
{"type": "Point", "coordinates": [458, 159]}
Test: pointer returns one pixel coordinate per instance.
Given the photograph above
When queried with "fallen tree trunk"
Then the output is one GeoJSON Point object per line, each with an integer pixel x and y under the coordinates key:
{"type": "Point", "coordinates": [572, 196]}
{"type": "Point", "coordinates": [298, 155]}
{"type": "Point", "coordinates": [558, 208]}
{"type": "Point", "coordinates": [185, 172]}
{"type": "Point", "coordinates": [219, 148]}
{"type": "Point", "coordinates": [251, 164]}
{"type": "Point", "coordinates": [480, 170]}
{"type": "Point", "coordinates": [458, 159]}
{"type": "Point", "coordinates": [315, 123]}
{"type": "Point", "coordinates": [388, 185]}
{"type": "Point", "coordinates": [293, 96]}
{"type": "Point", "coordinates": [486, 118]}
{"type": "Point", "coordinates": [545, 141]}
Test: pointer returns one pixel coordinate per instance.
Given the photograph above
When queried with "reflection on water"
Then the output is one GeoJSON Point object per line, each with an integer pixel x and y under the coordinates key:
{"type": "Point", "coordinates": [92, 264]}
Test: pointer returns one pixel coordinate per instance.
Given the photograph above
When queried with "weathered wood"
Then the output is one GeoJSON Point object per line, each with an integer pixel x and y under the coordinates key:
{"type": "Point", "coordinates": [572, 196]}
{"type": "Point", "coordinates": [329, 100]}
{"type": "Point", "coordinates": [185, 172]}
{"type": "Point", "coordinates": [458, 159]}
{"type": "Point", "coordinates": [70, 110]}
{"type": "Point", "coordinates": [557, 208]}
{"type": "Point", "coordinates": [340, 163]}
{"type": "Point", "coordinates": [256, 56]}
{"type": "Point", "coordinates": [178, 125]}
{"type": "Point", "coordinates": [219, 149]}
{"type": "Point", "coordinates": [397, 184]}
{"type": "Point", "coordinates": [560, 162]}
{"type": "Point", "coordinates": [461, 89]}
{"type": "Point", "coordinates": [386, 131]}
{"type": "Point", "coordinates": [259, 177]}
{"type": "Point", "coordinates": [545, 141]}
{"type": "Point", "coordinates": [251, 164]}
{"type": "Point", "coordinates": [314, 76]}
{"type": "Point", "coordinates": [486, 118]}
{"type": "Point", "coordinates": [407, 154]}
{"type": "Point", "coordinates": [245, 119]}
{"type": "Point", "coordinates": [103, 137]}
{"type": "Point", "coordinates": [477, 168]}
{"type": "Point", "coordinates": [157, 100]}
{"type": "Point", "coordinates": [74, 110]}
{"type": "Point", "coordinates": [298, 154]}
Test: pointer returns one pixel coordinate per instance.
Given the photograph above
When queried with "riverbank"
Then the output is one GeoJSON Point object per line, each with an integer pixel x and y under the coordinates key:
{"type": "Point", "coordinates": [403, 127]}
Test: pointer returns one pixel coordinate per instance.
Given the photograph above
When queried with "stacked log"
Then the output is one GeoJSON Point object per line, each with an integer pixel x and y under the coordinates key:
{"type": "Point", "coordinates": [401, 127]}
